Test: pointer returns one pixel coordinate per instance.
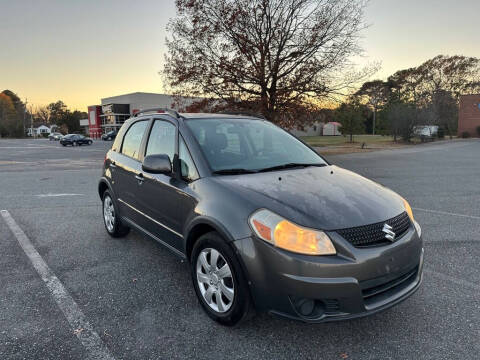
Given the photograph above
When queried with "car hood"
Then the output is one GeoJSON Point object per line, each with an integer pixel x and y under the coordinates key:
{"type": "Point", "coordinates": [326, 198]}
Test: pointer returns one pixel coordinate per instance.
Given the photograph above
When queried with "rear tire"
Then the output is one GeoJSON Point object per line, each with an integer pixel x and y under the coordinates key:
{"type": "Point", "coordinates": [111, 220]}
{"type": "Point", "coordinates": [90, 142]}
{"type": "Point", "coordinates": [227, 290]}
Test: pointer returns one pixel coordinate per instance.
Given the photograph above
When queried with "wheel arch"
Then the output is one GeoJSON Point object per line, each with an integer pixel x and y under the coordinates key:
{"type": "Point", "coordinates": [102, 186]}
{"type": "Point", "coordinates": [200, 226]}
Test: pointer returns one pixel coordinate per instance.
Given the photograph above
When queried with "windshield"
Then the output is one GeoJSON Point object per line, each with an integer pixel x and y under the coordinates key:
{"type": "Point", "coordinates": [249, 145]}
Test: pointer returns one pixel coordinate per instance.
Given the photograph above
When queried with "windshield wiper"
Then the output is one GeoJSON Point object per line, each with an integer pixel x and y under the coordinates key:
{"type": "Point", "coordinates": [234, 171]}
{"type": "Point", "coordinates": [290, 166]}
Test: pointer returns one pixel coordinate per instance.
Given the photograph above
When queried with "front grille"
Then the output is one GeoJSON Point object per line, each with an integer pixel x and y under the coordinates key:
{"type": "Point", "coordinates": [374, 294]}
{"type": "Point", "coordinates": [372, 235]}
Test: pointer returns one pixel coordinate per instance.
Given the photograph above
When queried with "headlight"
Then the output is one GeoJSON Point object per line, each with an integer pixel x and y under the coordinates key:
{"type": "Point", "coordinates": [408, 209]}
{"type": "Point", "coordinates": [286, 235]}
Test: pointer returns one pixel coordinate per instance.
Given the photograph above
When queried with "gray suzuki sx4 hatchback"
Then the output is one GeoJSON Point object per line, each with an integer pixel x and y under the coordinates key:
{"type": "Point", "coordinates": [264, 221]}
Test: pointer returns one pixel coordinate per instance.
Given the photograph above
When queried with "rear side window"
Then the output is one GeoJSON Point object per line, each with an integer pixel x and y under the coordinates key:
{"type": "Point", "coordinates": [118, 140]}
{"type": "Point", "coordinates": [162, 139]}
{"type": "Point", "coordinates": [133, 139]}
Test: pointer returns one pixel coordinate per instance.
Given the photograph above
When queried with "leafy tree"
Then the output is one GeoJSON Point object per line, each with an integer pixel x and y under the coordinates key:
{"type": "Point", "coordinates": [445, 110]}
{"type": "Point", "coordinates": [456, 75]}
{"type": "Point", "coordinates": [11, 114]}
{"type": "Point", "coordinates": [429, 94]}
{"type": "Point", "coordinates": [7, 115]}
{"type": "Point", "coordinates": [72, 120]}
{"type": "Point", "coordinates": [405, 85]}
{"type": "Point", "coordinates": [272, 56]}
{"type": "Point", "coordinates": [57, 112]}
{"type": "Point", "coordinates": [351, 116]}
{"type": "Point", "coordinates": [376, 93]}
{"type": "Point", "coordinates": [401, 117]}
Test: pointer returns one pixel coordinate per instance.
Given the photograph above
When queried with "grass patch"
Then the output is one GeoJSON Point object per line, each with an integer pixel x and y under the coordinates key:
{"type": "Point", "coordinates": [319, 141]}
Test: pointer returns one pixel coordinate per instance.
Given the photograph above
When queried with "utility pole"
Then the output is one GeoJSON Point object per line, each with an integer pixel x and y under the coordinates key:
{"type": "Point", "coordinates": [31, 121]}
{"type": "Point", "coordinates": [25, 116]}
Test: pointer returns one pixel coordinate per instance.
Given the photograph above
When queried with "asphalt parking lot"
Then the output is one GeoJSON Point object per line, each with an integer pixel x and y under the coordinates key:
{"type": "Point", "coordinates": [138, 297]}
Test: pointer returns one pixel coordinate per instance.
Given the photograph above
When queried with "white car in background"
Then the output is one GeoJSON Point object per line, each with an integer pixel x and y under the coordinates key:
{"type": "Point", "coordinates": [425, 132]}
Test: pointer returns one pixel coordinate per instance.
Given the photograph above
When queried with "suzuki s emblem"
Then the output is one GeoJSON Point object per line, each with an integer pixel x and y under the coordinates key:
{"type": "Point", "coordinates": [389, 234]}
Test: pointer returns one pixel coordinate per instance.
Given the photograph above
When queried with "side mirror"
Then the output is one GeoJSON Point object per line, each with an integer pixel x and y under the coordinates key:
{"type": "Point", "coordinates": [157, 164]}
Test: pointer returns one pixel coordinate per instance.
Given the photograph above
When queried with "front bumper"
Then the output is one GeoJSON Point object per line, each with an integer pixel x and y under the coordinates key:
{"type": "Point", "coordinates": [354, 283]}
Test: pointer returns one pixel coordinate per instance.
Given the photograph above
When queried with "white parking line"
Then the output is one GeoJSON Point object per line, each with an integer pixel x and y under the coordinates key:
{"type": "Point", "coordinates": [56, 195]}
{"type": "Point", "coordinates": [90, 339]}
{"type": "Point", "coordinates": [448, 213]}
{"type": "Point", "coordinates": [453, 279]}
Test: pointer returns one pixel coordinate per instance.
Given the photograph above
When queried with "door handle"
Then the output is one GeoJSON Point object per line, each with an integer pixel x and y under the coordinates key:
{"type": "Point", "coordinates": [140, 178]}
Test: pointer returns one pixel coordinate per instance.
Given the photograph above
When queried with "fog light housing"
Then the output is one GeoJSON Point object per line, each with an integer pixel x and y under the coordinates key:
{"type": "Point", "coordinates": [305, 306]}
{"type": "Point", "coordinates": [308, 308]}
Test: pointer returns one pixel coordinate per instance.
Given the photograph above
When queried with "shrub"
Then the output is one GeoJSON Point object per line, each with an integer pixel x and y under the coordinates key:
{"type": "Point", "coordinates": [465, 134]}
{"type": "Point", "coordinates": [478, 130]}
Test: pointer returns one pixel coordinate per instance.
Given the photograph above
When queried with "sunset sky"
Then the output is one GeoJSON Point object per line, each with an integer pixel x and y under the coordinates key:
{"type": "Point", "coordinates": [81, 51]}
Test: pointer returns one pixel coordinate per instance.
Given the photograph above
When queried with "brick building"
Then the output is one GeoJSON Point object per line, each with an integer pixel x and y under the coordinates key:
{"type": "Point", "coordinates": [469, 114]}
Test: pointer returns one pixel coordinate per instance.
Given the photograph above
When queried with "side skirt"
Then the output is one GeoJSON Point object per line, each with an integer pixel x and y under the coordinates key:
{"type": "Point", "coordinates": [149, 234]}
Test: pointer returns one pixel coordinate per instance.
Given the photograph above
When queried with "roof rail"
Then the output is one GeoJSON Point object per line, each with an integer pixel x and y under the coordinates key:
{"type": "Point", "coordinates": [244, 113]}
{"type": "Point", "coordinates": [160, 110]}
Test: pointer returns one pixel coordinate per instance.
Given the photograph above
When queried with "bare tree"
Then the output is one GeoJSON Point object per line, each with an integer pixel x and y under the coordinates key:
{"type": "Point", "coordinates": [275, 56]}
{"type": "Point", "coordinates": [42, 113]}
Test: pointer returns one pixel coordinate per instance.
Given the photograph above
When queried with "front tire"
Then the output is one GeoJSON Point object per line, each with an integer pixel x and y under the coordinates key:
{"type": "Point", "coordinates": [219, 281]}
{"type": "Point", "coordinates": [112, 222]}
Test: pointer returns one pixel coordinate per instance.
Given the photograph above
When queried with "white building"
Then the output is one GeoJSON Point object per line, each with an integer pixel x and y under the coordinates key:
{"type": "Point", "coordinates": [332, 129]}
{"type": "Point", "coordinates": [313, 130]}
{"type": "Point", "coordinates": [42, 129]}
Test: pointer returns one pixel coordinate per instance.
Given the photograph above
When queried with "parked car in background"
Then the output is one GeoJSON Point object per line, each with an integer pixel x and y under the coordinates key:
{"type": "Point", "coordinates": [426, 132]}
{"type": "Point", "coordinates": [55, 136]}
{"type": "Point", "coordinates": [75, 139]}
{"type": "Point", "coordinates": [109, 136]}
{"type": "Point", "coordinates": [262, 219]}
